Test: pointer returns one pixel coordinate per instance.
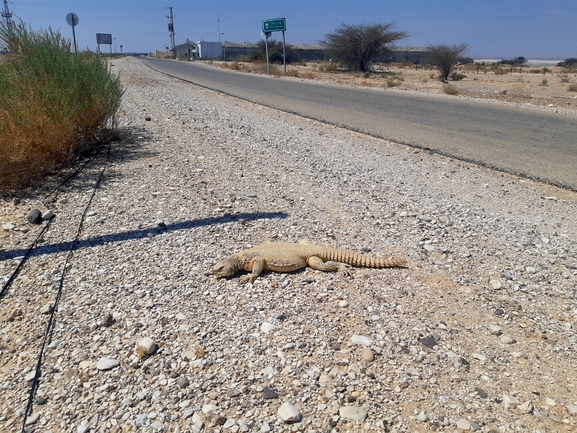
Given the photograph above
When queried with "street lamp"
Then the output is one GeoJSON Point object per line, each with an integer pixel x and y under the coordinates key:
{"type": "Point", "coordinates": [223, 54]}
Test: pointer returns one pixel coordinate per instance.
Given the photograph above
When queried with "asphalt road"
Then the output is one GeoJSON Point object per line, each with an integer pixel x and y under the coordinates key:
{"type": "Point", "coordinates": [536, 144]}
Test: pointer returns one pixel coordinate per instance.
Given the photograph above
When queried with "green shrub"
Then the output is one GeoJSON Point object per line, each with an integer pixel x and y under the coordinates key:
{"type": "Point", "coordinates": [51, 102]}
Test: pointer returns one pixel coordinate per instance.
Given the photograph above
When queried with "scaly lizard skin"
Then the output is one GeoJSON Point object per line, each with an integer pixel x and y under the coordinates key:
{"type": "Point", "coordinates": [286, 257]}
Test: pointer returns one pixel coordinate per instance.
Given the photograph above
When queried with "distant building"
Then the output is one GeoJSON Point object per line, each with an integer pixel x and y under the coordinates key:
{"type": "Point", "coordinates": [232, 50]}
{"type": "Point", "coordinates": [200, 50]}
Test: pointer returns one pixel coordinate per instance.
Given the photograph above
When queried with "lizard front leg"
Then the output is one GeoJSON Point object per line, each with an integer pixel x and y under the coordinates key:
{"type": "Point", "coordinates": [255, 266]}
{"type": "Point", "coordinates": [330, 266]}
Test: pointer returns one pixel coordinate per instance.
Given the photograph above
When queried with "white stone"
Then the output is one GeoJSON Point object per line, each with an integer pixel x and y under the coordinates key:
{"type": "Point", "coordinates": [107, 364]}
{"type": "Point", "coordinates": [353, 413]}
{"type": "Point", "coordinates": [343, 304]}
{"type": "Point", "coordinates": [506, 339]}
{"type": "Point", "coordinates": [422, 417]}
{"type": "Point", "coordinates": [82, 428]}
{"type": "Point", "coordinates": [8, 226]}
{"type": "Point", "coordinates": [30, 376]}
{"type": "Point", "coordinates": [526, 407]}
{"type": "Point", "coordinates": [207, 408]}
{"type": "Point", "coordinates": [463, 424]}
{"type": "Point", "coordinates": [362, 340]}
{"type": "Point", "coordinates": [288, 413]}
{"type": "Point", "coordinates": [494, 329]}
{"type": "Point", "coordinates": [146, 345]}
{"type": "Point", "coordinates": [267, 327]}
{"type": "Point", "coordinates": [229, 423]}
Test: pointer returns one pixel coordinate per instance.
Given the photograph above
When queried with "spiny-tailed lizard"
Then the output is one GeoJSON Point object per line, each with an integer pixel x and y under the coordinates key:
{"type": "Point", "coordinates": [287, 257]}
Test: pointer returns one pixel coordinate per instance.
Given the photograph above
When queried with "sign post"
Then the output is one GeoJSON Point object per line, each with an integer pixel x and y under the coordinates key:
{"type": "Point", "coordinates": [72, 20]}
{"type": "Point", "coordinates": [274, 25]}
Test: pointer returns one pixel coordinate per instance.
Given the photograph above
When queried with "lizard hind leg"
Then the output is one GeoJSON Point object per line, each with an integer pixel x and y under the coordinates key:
{"type": "Point", "coordinates": [329, 266]}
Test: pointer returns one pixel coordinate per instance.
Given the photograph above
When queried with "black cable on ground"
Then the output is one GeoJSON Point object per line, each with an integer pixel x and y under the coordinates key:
{"type": "Point", "coordinates": [49, 326]}
{"type": "Point", "coordinates": [21, 264]}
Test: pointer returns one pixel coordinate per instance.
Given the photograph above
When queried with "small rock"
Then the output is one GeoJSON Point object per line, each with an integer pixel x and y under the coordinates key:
{"type": "Point", "coordinates": [268, 393]}
{"type": "Point", "coordinates": [46, 309]}
{"type": "Point", "coordinates": [429, 248]}
{"type": "Point", "coordinates": [82, 428]}
{"type": "Point", "coordinates": [422, 417]}
{"type": "Point", "coordinates": [108, 319]}
{"type": "Point", "coordinates": [265, 427]}
{"type": "Point", "coordinates": [367, 355]}
{"type": "Point", "coordinates": [363, 341]}
{"type": "Point", "coordinates": [47, 215]}
{"type": "Point", "coordinates": [475, 426]}
{"type": "Point", "coordinates": [463, 424]}
{"type": "Point", "coordinates": [550, 401]}
{"type": "Point", "coordinates": [288, 413]}
{"type": "Point", "coordinates": [40, 401]}
{"type": "Point", "coordinates": [33, 419]}
{"type": "Point", "coordinates": [526, 407]}
{"type": "Point", "coordinates": [8, 226]}
{"type": "Point", "coordinates": [182, 382]}
{"type": "Point", "coordinates": [229, 423]}
{"type": "Point", "coordinates": [495, 329]}
{"type": "Point", "coordinates": [267, 327]}
{"type": "Point", "coordinates": [495, 284]}
{"type": "Point", "coordinates": [107, 364]}
{"type": "Point", "coordinates": [572, 409]}
{"type": "Point", "coordinates": [157, 426]}
{"type": "Point", "coordinates": [343, 304]}
{"type": "Point", "coordinates": [30, 376]}
{"type": "Point", "coordinates": [506, 339]}
{"type": "Point", "coordinates": [506, 275]}
{"type": "Point", "coordinates": [34, 216]}
{"type": "Point", "coordinates": [145, 346]}
{"type": "Point", "coordinates": [530, 269]}
{"type": "Point", "coordinates": [353, 413]}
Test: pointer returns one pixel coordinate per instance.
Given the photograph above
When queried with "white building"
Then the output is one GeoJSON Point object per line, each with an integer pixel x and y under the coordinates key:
{"type": "Point", "coordinates": [208, 50]}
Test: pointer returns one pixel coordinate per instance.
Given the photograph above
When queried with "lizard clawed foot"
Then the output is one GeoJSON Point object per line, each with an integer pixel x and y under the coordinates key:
{"type": "Point", "coordinates": [345, 270]}
{"type": "Point", "coordinates": [247, 279]}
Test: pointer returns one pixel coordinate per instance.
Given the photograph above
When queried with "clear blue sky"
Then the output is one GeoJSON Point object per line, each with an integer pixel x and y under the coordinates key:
{"type": "Point", "coordinates": [491, 28]}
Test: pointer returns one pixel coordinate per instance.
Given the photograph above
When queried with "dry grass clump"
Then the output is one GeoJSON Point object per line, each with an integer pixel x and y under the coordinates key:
{"type": "Point", "coordinates": [51, 103]}
{"type": "Point", "coordinates": [449, 89]}
{"type": "Point", "coordinates": [572, 87]}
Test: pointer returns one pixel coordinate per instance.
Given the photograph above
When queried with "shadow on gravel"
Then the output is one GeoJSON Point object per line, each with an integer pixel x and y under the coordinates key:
{"type": "Point", "coordinates": [137, 234]}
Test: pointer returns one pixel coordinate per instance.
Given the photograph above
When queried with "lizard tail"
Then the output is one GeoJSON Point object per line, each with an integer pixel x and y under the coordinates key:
{"type": "Point", "coordinates": [361, 260]}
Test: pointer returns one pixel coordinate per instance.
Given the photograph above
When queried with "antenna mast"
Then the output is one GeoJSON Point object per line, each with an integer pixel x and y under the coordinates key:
{"type": "Point", "coordinates": [6, 14]}
{"type": "Point", "coordinates": [170, 29]}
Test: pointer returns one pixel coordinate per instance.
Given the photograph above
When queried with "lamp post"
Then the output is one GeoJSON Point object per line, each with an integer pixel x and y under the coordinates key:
{"type": "Point", "coordinates": [223, 54]}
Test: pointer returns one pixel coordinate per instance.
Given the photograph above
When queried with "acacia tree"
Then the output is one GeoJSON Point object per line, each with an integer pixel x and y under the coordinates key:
{"type": "Point", "coordinates": [357, 46]}
{"type": "Point", "coordinates": [445, 57]}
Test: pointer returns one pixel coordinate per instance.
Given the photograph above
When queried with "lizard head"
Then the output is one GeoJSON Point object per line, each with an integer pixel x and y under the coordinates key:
{"type": "Point", "coordinates": [225, 268]}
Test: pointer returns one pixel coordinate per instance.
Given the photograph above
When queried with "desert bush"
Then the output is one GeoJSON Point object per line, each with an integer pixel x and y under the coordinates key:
{"type": "Point", "coordinates": [572, 87]}
{"type": "Point", "coordinates": [499, 71]}
{"type": "Point", "coordinates": [445, 57]}
{"type": "Point", "coordinates": [357, 46]}
{"type": "Point", "coordinates": [393, 83]}
{"type": "Point", "coordinates": [456, 76]}
{"type": "Point", "coordinates": [309, 74]}
{"type": "Point", "coordinates": [564, 79]}
{"type": "Point", "coordinates": [449, 89]}
{"type": "Point", "coordinates": [291, 72]}
{"type": "Point", "coordinates": [544, 82]}
{"type": "Point", "coordinates": [328, 67]}
{"type": "Point", "coordinates": [51, 103]}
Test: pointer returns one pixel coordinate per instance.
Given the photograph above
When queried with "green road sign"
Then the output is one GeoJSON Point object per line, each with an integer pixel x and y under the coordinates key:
{"type": "Point", "coordinates": [275, 25]}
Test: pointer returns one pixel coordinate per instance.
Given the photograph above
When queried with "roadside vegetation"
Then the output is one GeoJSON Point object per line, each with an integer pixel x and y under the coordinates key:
{"type": "Point", "coordinates": [357, 46]}
{"type": "Point", "coordinates": [52, 103]}
{"type": "Point", "coordinates": [446, 58]}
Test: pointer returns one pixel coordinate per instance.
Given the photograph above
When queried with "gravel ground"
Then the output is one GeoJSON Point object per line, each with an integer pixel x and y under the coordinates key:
{"type": "Point", "coordinates": [476, 334]}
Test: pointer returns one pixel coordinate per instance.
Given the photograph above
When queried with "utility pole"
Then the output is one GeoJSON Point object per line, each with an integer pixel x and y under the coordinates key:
{"type": "Point", "coordinates": [170, 30]}
{"type": "Point", "coordinates": [6, 14]}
